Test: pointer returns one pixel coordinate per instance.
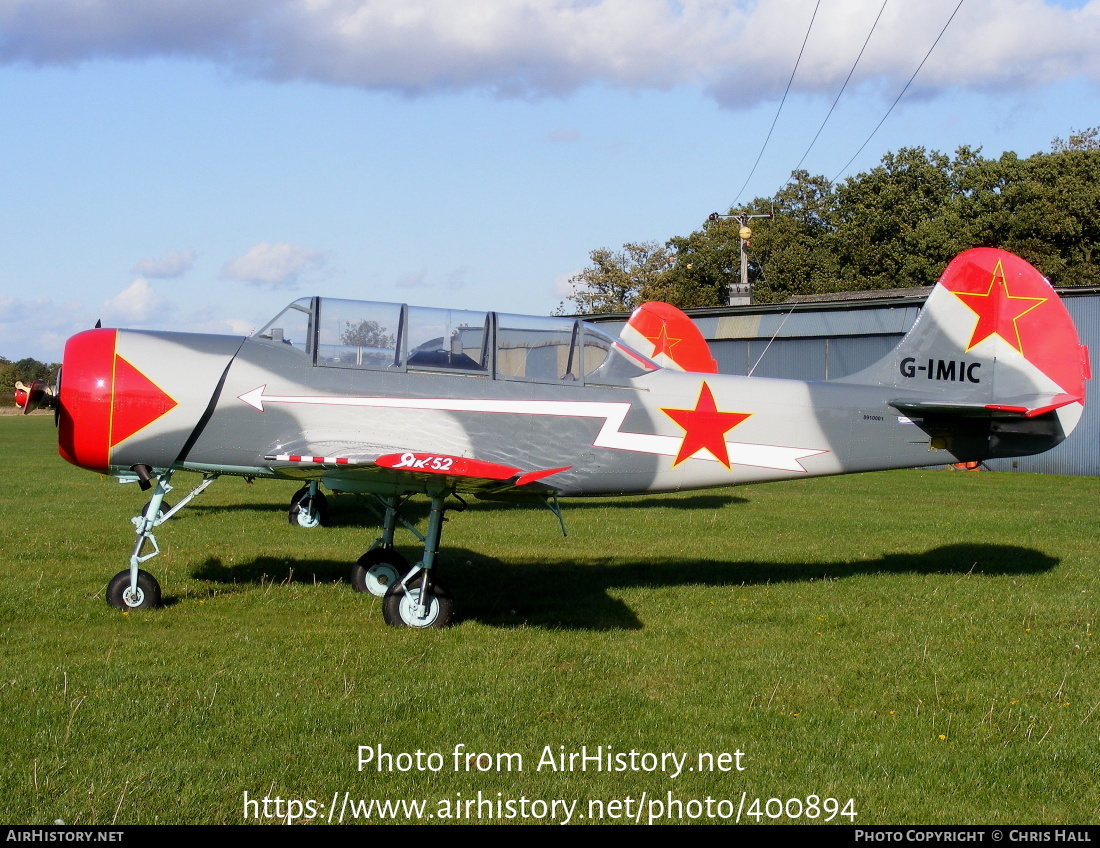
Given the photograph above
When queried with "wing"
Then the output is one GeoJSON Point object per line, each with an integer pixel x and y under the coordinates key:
{"type": "Point", "coordinates": [411, 470]}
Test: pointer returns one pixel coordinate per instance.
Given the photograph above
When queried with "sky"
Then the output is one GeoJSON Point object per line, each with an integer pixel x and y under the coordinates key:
{"type": "Point", "coordinates": [195, 165]}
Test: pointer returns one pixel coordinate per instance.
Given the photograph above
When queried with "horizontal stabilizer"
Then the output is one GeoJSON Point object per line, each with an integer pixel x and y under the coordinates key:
{"type": "Point", "coordinates": [1026, 406]}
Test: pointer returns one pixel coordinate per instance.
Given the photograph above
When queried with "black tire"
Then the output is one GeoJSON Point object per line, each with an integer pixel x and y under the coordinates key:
{"type": "Point", "coordinates": [148, 591]}
{"type": "Point", "coordinates": [164, 507]}
{"type": "Point", "coordinates": [398, 604]}
{"type": "Point", "coordinates": [377, 570]}
{"type": "Point", "coordinates": [307, 512]}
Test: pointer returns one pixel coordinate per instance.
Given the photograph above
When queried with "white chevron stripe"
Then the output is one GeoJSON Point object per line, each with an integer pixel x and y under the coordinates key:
{"type": "Point", "coordinates": [610, 435]}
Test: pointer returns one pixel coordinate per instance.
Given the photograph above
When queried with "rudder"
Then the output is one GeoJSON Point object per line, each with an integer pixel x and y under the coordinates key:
{"type": "Point", "coordinates": [668, 337]}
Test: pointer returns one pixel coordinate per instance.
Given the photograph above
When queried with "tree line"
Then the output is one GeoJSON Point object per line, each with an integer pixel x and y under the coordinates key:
{"type": "Point", "coordinates": [894, 226]}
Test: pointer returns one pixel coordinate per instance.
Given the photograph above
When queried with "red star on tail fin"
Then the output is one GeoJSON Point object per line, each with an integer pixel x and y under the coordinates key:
{"type": "Point", "coordinates": [998, 311]}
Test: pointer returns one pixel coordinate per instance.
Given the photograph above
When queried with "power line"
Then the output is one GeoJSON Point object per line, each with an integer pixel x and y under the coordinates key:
{"type": "Point", "coordinates": [906, 88]}
{"type": "Point", "coordinates": [781, 102]}
{"type": "Point", "coordinates": [846, 81]}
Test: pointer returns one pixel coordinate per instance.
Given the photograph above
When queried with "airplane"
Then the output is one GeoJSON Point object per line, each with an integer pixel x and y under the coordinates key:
{"type": "Point", "coordinates": [393, 401]}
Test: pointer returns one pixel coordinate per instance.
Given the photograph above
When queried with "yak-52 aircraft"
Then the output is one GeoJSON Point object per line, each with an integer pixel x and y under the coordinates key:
{"type": "Point", "coordinates": [392, 401]}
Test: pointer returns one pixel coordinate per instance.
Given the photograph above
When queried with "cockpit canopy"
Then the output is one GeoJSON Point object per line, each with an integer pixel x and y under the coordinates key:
{"type": "Point", "coordinates": [335, 333]}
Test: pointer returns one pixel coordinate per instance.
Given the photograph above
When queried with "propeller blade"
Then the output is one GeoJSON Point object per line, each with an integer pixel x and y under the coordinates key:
{"type": "Point", "coordinates": [57, 398]}
{"type": "Point", "coordinates": [33, 396]}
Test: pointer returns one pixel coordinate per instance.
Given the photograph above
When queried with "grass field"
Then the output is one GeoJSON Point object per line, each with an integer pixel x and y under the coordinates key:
{"type": "Point", "coordinates": [923, 643]}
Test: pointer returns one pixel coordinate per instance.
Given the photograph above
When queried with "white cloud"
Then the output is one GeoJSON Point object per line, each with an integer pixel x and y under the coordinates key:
{"type": "Point", "coordinates": [275, 265]}
{"type": "Point", "coordinates": [39, 327]}
{"type": "Point", "coordinates": [13, 310]}
{"type": "Point", "coordinates": [740, 52]}
{"type": "Point", "coordinates": [135, 305]}
{"type": "Point", "coordinates": [171, 264]}
{"type": "Point", "coordinates": [239, 327]}
{"type": "Point", "coordinates": [456, 278]}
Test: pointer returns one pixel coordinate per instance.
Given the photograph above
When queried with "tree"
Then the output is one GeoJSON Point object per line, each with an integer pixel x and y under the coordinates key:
{"type": "Point", "coordinates": [7, 377]}
{"type": "Point", "coordinates": [1080, 140]}
{"type": "Point", "coordinates": [894, 226]}
{"type": "Point", "coordinates": [615, 279]}
{"type": "Point", "coordinates": [367, 334]}
{"type": "Point", "coordinates": [1053, 215]}
{"type": "Point", "coordinates": [1046, 208]}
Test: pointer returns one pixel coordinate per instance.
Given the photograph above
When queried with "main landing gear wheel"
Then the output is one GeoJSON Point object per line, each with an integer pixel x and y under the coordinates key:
{"type": "Point", "coordinates": [399, 605]}
{"type": "Point", "coordinates": [164, 507]}
{"type": "Point", "coordinates": [377, 570]}
{"type": "Point", "coordinates": [145, 596]}
{"type": "Point", "coordinates": [306, 511]}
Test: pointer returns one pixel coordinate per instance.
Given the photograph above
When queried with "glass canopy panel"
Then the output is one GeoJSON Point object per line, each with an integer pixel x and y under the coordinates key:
{"type": "Point", "coordinates": [447, 338]}
{"type": "Point", "coordinates": [609, 362]}
{"type": "Point", "coordinates": [291, 327]}
{"type": "Point", "coordinates": [356, 334]}
{"type": "Point", "coordinates": [540, 349]}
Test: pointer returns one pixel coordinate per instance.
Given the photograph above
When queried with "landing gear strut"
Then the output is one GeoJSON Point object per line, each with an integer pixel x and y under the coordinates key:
{"type": "Point", "coordinates": [419, 600]}
{"type": "Point", "coordinates": [132, 588]}
{"type": "Point", "coordinates": [411, 597]}
{"type": "Point", "coordinates": [383, 565]}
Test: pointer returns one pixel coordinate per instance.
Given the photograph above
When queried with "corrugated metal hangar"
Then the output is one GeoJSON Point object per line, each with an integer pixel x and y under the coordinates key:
{"type": "Point", "coordinates": [829, 336]}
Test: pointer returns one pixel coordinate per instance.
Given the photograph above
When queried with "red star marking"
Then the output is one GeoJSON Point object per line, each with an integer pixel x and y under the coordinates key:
{"type": "Point", "coordinates": [705, 427]}
{"type": "Point", "coordinates": [998, 310]}
{"type": "Point", "coordinates": [662, 343]}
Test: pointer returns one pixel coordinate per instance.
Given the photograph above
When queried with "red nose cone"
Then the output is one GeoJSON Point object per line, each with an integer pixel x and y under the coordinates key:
{"type": "Point", "coordinates": [104, 400]}
{"type": "Point", "coordinates": [84, 427]}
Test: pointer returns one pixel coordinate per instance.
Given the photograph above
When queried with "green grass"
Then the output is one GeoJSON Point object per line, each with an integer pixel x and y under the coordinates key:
{"type": "Point", "coordinates": [920, 642]}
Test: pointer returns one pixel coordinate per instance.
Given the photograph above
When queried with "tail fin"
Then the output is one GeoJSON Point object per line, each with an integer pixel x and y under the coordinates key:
{"type": "Point", "coordinates": [668, 337]}
{"type": "Point", "coordinates": [993, 340]}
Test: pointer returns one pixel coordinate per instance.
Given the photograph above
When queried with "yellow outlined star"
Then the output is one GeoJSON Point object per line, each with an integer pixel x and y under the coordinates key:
{"type": "Point", "coordinates": [663, 343]}
{"type": "Point", "coordinates": [705, 427]}
{"type": "Point", "coordinates": [996, 311]}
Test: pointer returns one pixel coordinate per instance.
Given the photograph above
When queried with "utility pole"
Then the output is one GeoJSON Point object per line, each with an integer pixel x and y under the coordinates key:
{"type": "Point", "coordinates": [741, 295]}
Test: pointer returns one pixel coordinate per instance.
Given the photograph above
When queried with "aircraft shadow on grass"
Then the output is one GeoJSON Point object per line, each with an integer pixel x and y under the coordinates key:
{"type": "Point", "coordinates": [576, 596]}
{"type": "Point", "coordinates": [349, 510]}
